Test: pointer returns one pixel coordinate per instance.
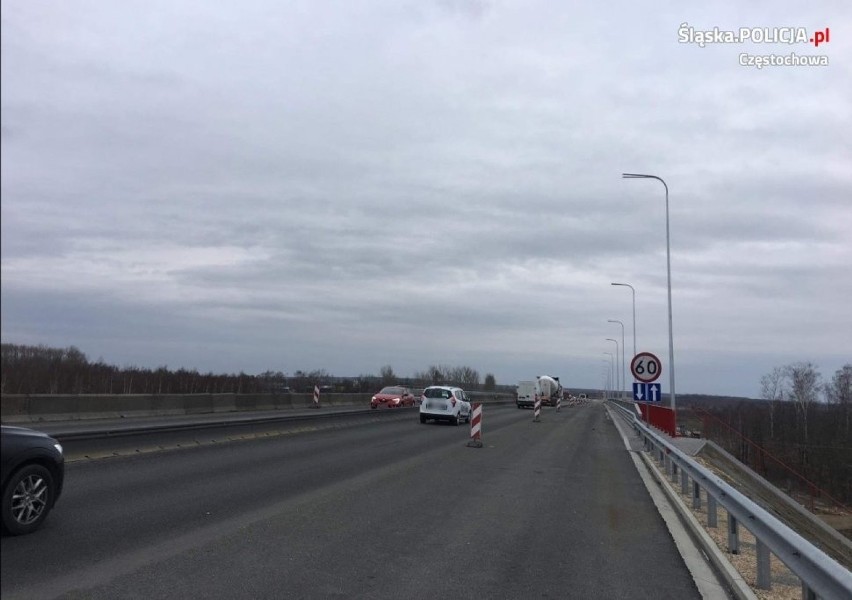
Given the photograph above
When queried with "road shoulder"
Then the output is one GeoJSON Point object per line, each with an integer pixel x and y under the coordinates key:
{"type": "Point", "coordinates": [703, 573]}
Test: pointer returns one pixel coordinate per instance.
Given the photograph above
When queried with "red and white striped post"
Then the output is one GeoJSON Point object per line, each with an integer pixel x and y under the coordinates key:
{"type": "Point", "coordinates": [537, 408]}
{"type": "Point", "coordinates": [559, 402]}
{"type": "Point", "coordinates": [316, 396]}
{"type": "Point", "coordinates": [476, 426]}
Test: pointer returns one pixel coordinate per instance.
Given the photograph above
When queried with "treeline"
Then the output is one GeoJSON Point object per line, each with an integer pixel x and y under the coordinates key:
{"type": "Point", "coordinates": [798, 433]}
{"type": "Point", "coordinates": [44, 370]}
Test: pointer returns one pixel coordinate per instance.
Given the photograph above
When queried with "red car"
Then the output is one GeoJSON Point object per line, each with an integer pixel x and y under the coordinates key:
{"type": "Point", "coordinates": [392, 397]}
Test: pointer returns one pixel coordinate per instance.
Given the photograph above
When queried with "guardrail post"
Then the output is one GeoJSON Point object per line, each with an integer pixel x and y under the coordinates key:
{"type": "Point", "coordinates": [696, 494]}
{"type": "Point", "coordinates": [733, 535]}
{"type": "Point", "coordinates": [807, 592]}
{"type": "Point", "coordinates": [673, 473]}
{"type": "Point", "coordinates": [684, 482]}
{"type": "Point", "coordinates": [711, 512]}
{"type": "Point", "coordinates": [537, 409]}
{"type": "Point", "coordinates": [764, 575]}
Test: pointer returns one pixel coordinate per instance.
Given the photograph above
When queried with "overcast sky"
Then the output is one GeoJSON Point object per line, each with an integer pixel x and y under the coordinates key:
{"type": "Point", "coordinates": [342, 185]}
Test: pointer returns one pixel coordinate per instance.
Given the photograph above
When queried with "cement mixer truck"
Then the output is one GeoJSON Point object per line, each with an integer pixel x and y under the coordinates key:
{"type": "Point", "coordinates": [548, 389]}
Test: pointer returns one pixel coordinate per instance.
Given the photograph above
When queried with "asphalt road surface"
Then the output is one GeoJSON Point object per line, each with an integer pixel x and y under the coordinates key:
{"type": "Point", "coordinates": [385, 508]}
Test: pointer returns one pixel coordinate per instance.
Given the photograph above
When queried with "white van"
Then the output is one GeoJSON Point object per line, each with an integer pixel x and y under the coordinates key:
{"type": "Point", "coordinates": [525, 394]}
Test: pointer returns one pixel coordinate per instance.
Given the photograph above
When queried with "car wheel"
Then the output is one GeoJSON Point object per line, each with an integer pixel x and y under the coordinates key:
{"type": "Point", "coordinates": [422, 419]}
{"type": "Point", "coordinates": [455, 419]}
{"type": "Point", "coordinates": [27, 500]}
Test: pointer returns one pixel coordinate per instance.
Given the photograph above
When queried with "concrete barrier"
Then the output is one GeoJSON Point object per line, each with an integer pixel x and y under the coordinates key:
{"type": "Point", "coordinates": [22, 408]}
{"type": "Point", "coordinates": [283, 402]}
{"type": "Point", "coordinates": [221, 403]}
{"type": "Point", "coordinates": [14, 407]}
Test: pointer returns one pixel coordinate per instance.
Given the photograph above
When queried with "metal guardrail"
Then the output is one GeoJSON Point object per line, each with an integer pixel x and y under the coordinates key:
{"type": "Point", "coordinates": [821, 576]}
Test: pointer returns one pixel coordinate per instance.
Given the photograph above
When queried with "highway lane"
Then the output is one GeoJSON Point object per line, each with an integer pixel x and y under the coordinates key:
{"type": "Point", "coordinates": [389, 508]}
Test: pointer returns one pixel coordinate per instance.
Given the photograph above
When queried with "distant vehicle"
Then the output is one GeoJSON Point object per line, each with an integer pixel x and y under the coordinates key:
{"type": "Point", "coordinates": [583, 397]}
{"type": "Point", "coordinates": [525, 394]}
{"type": "Point", "coordinates": [392, 397]}
{"type": "Point", "coordinates": [548, 389]}
{"type": "Point", "coordinates": [33, 471]}
{"type": "Point", "coordinates": [444, 403]}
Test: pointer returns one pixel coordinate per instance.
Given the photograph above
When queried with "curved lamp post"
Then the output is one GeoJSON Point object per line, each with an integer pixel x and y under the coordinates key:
{"type": "Point", "coordinates": [606, 375]}
{"type": "Point", "coordinates": [623, 372]}
{"type": "Point", "coordinates": [632, 289]}
{"type": "Point", "coordinates": [669, 276]}
{"type": "Point", "coordinates": [617, 385]}
{"type": "Point", "coordinates": [612, 365]}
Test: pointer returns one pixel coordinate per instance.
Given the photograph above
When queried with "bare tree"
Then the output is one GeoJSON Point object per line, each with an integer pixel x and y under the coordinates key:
{"type": "Point", "coordinates": [467, 376]}
{"type": "Point", "coordinates": [387, 374]}
{"type": "Point", "coordinates": [772, 389]}
{"type": "Point", "coordinates": [839, 391]}
{"type": "Point", "coordinates": [490, 382]}
{"type": "Point", "coordinates": [804, 389]}
{"type": "Point", "coordinates": [438, 374]}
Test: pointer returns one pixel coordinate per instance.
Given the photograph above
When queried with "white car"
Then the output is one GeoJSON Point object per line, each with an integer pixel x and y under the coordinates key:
{"type": "Point", "coordinates": [444, 403]}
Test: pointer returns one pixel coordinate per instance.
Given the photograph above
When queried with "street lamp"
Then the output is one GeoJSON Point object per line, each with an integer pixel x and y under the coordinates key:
{"type": "Point", "coordinates": [616, 363]}
{"type": "Point", "coordinates": [623, 372]}
{"type": "Point", "coordinates": [612, 367]}
{"type": "Point", "coordinates": [634, 312]}
{"type": "Point", "coordinates": [606, 375]}
{"type": "Point", "coordinates": [669, 276]}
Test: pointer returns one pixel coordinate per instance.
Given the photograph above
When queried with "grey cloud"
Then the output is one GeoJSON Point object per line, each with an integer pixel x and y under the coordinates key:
{"type": "Point", "coordinates": [302, 183]}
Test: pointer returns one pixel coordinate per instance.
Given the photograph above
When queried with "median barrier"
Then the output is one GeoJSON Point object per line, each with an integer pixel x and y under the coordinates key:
{"type": "Point", "coordinates": [283, 401]}
{"type": "Point", "coordinates": [35, 408]}
{"type": "Point", "coordinates": [136, 406]}
{"type": "Point", "coordinates": [347, 399]}
{"type": "Point", "coordinates": [23, 408]}
{"type": "Point", "coordinates": [222, 403]}
{"type": "Point", "coordinates": [102, 407]}
{"type": "Point", "coordinates": [491, 397]}
{"type": "Point", "coordinates": [192, 405]}
{"type": "Point", "coordinates": [305, 400]}
{"type": "Point", "coordinates": [15, 407]}
{"type": "Point", "coordinates": [250, 402]}
{"type": "Point", "coordinates": [52, 408]}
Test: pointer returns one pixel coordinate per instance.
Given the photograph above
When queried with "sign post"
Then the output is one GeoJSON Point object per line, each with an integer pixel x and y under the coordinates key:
{"type": "Point", "coordinates": [646, 367]}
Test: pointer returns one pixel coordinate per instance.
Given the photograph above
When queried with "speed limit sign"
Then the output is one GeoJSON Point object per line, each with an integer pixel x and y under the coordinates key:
{"type": "Point", "coordinates": [646, 367]}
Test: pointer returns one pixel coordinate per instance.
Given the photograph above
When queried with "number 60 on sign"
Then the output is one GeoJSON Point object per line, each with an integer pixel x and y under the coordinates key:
{"type": "Point", "coordinates": [646, 367]}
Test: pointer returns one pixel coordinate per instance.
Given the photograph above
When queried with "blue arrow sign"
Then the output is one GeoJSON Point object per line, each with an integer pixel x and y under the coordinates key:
{"type": "Point", "coordinates": [640, 391]}
{"type": "Point", "coordinates": [654, 392]}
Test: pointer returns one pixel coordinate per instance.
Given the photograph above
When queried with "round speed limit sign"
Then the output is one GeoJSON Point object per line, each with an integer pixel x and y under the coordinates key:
{"type": "Point", "coordinates": [646, 367]}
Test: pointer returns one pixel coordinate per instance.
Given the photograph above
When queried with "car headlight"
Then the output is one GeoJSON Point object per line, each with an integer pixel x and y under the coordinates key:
{"type": "Point", "coordinates": [58, 447]}
{"type": "Point", "coordinates": [373, 399]}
